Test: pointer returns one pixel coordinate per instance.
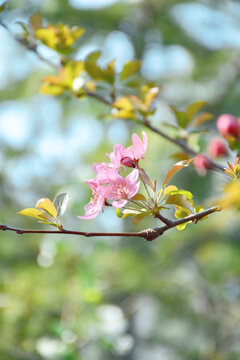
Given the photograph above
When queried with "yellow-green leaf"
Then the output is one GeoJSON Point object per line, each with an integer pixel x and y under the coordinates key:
{"type": "Point", "coordinates": [193, 108]}
{"type": "Point", "coordinates": [202, 118]}
{"type": "Point", "coordinates": [139, 197]}
{"type": "Point", "coordinates": [33, 212]}
{"type": "Point", "coordinates": [138, 218]}
{"type": "Point", "coordinates": [35, 21]}
{"type": "Point", "coordinates": [50, 89]}
{"type": "Point", "coordinates": [47, 205]}
{"type": "Point", "coordinates": [175, 168]}
{"type": "Point", "coordinates": [129, 69]}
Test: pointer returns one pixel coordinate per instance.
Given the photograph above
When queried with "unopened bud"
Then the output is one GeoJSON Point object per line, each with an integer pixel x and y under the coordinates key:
{"type": "Point", "coordinates": [127, 161]}
{"type": "Point", "coordinates": [228, 125]}
{"type": "Point", "coordinates": [217, 148]}
{"type": "Point", "coordinates": [201, 164]}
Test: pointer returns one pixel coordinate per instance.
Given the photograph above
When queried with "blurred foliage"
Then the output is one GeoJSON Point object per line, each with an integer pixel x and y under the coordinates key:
{"type": "Point", "coordinates": [69, 298]}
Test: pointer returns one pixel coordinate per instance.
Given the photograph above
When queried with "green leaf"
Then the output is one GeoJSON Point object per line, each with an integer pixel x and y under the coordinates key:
{"type": "Point", "coordinates": [175, 168]}
{"type": "Point", "coordinates": [168, 189]}
{"type": "Point", "coordinates": [202, 118]}
{"type": "Point", "coordinates": [60, 203]}
{"type": "Point", "coordinates": [181, 117]}
{"type": "Point", "coordinates": [138, 218]}
{"type": "Point", "coordinates": [188, 195]}
{"type": "Point", "coordinates": [179, 200]}
{"type": "Point", "coordinates": [129, 69]}
{"type": "Point", "coordinates": [2, 7]}
{"type": "Point", "coordinates": [91, 66]}
{"type": "Point", "coordinates": [119, 213]}
{"type": "Point", "coordinates": [127, 212]}
{"type": "Point", "coordinates": [35, 21]}
{"type": "Point", "coordinates": [50, 89]}
{"type": "Point", "coordinates": [193, 108]}
{"type": "Point", "coordinates": [139, 197]}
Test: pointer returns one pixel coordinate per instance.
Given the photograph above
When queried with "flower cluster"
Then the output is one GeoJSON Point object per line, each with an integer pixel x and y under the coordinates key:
{"type": "Point", "coordinates": [109, 185]}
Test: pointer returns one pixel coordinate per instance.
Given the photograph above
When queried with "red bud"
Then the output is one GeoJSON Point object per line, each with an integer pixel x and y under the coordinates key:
{"type": "Point", "coordinates": [217, 148]}
{"type": "Point", "coordinates": [201, 164]}
{"type": "Point", "coordinates": [228, 125]}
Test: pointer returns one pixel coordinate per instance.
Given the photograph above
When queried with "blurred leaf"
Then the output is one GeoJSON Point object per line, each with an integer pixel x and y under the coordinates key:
{"type": "Point", "coordinates": [180, 156]}
{"type": "Point", "coordinates": [123, 108]}
{"type": "Point", "coordinates": [35, 21]}
{"type": "Point", "coordinates": [60, 203]}
{"type": "Point", "coordinates": [181, 117]}
{"type": "Point", "coordinates": [129, 69]}
{"type": "Point", "coordinates": [2, 7]}
{"type": "Point", "coordinates": [202, 118]}
{"type": "Point", "coordinates": [193, 109]}
{"type": "Point", "coordinates": [59, 37]}
{"type": "Point", "coordinates": [175, 168]}
{"type": "Point", "coordinates": [92, 67]}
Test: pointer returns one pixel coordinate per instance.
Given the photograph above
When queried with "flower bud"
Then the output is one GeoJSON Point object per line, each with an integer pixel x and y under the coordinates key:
{"type": "Point", "coordinates": [127, 161]}
{"type": "Point", "coordinates": [201, 164]}
{"type": "Point", "coordinates": [217, 148]}
{"type": "Point", "coordinates": [228, 125]}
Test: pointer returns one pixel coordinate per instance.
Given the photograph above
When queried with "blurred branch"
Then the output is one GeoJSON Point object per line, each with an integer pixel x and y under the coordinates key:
{"type": "Point", "coordinates": [28, 46]}
{"type": "Point", "coordinates": [148, 234]}
{"type": "Point", "coordinates": [182, 145]}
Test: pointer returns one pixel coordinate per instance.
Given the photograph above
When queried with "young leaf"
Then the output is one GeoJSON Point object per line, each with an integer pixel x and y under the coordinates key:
{"type": "Point", "coordinates": [35, 21]}
{"type": "Point", "coordinates": [138, 218]}
{"type": "Point", "coordinates": [60, 203]}
{"type": "Point", "coordinates": [129, 69]}
{"type": "Point", "coordinates": [35, 213]}
{"type": "Point", "coordinates": [181, 117]}
{"type": "Point", "coordinates": [202, 118]}
{"type": "Point", "coordinates": [188, 195]}
{"type": "Point", "coordinates": [47, 205]}
{"type": "Point", "coordinates": [179, 200]}
{"type": "Point", "coordinates": [175, 168]}
{"type": "Point", "coordinates": [139, 197]}
{"type": "Point", "coordinates": [193, 108]}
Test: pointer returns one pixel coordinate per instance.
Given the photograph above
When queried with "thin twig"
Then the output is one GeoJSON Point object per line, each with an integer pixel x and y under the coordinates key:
{"type": "Point", "coordinates": [147, 234]}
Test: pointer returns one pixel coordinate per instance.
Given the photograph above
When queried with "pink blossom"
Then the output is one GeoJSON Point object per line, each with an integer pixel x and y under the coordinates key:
{"type": "Point", "coordinates": [96, 203]}
{"type": "Point", "coordinates": [120, 189]}
{"type": "Point", "coordinates": [129, 156]}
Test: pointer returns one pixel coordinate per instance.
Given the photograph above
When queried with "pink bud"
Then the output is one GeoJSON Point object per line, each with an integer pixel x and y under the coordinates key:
{"type": "Point", "coordinates": [217, 148]}
{"type": "Point", "coordinates": [127, 161]}
{"type": "Point", "coordinates": [201, 164]}
{"type": "Point", "coordinates": [228, 125]}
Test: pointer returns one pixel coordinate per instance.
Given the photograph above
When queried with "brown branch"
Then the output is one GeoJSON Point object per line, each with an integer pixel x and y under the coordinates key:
{"type": "Point", "coordinates": [148, 234]}
{"type": "Point", "coordinates": [28, 46]}
{"type": "Point", "coordinates": [182, 145]}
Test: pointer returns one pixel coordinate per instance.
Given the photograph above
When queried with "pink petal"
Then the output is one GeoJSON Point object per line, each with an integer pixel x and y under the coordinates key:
{"type": "Point", "coordinates": [137, 147]}
{"type": "Point", "coordinates": [92, 209]}
{"type": "Point", "coordinates": [145, 142]}
{"type": "Point", "coordinates": [132, 177]}
{"type": "Point", "coordinates": [92, 183]}
{"type": "Point", "coordinates": [119, 203]}
{"type": "Point", "coordinates": [133, 191]}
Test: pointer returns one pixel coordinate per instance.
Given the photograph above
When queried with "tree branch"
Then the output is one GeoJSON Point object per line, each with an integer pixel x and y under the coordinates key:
{"type": "Point", "coordinates": [182, 145]}
{"type": "Point", "coordinates": [30, 47]}
{"type": "Point", "coordinates": [148, 234]}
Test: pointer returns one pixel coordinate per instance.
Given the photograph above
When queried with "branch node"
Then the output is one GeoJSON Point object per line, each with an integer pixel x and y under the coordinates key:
{"type": "Point", "coordinates": [149, 234]}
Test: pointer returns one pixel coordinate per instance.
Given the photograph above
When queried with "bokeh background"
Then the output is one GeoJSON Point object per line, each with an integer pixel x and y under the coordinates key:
{"type": "Point", "coordinates": [73, 298]}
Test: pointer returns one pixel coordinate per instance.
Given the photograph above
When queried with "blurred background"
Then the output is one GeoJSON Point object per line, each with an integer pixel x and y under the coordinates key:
{"type": "Point", "coordinates": [74, 298]}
